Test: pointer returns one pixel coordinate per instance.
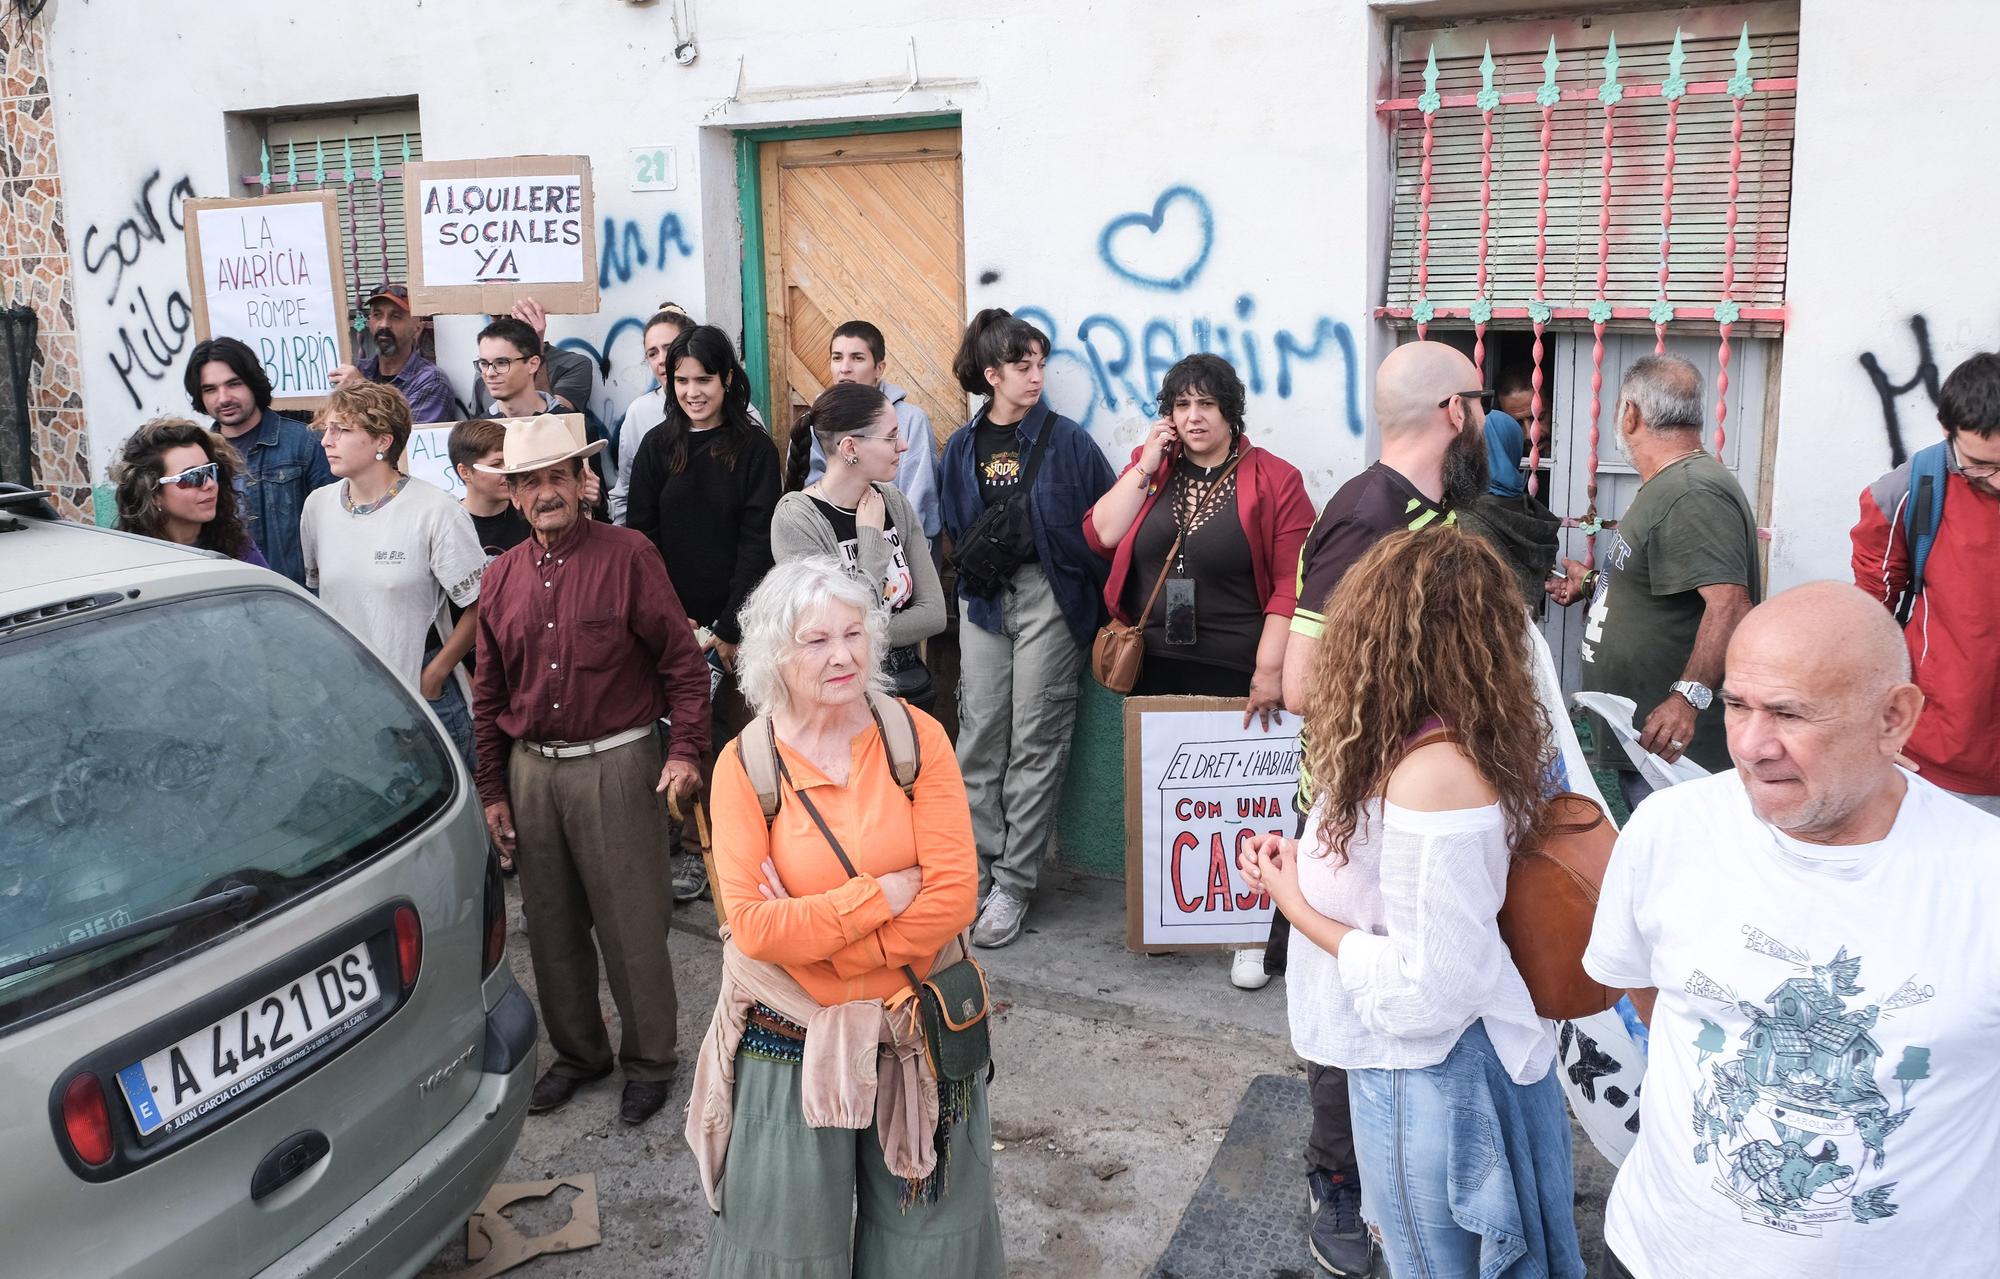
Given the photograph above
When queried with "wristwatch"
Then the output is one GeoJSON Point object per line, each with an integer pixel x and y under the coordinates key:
{"type": "Point", "coordinates": [1698, 695]}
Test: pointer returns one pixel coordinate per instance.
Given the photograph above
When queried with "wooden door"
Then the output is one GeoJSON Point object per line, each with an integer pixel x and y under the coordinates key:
{"type": "Point", "coordinates": [864, 227]}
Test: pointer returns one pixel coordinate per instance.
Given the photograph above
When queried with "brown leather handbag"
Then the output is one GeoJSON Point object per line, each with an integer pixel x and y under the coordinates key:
{"type": "Point", "coordinates": [1119, 649]}
{"type": "Point", "coordinates": [1551, 903]}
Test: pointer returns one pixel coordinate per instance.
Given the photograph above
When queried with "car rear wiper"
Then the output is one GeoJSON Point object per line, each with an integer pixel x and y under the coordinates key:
{"type": "Point", "coordinates": [231, 898]}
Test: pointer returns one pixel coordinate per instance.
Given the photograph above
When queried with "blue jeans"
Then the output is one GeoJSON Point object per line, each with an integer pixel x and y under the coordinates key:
{"type": "Point", "coordinates": [1465, 1173]}
{"type": "Point", "coordinates": [451, 710]}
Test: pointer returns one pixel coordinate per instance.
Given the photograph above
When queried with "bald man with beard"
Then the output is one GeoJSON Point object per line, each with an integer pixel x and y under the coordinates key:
{"type": "Point", "coordinates": [1430, 410]}
{"type": "Point", "coordinates": [1818, 924]}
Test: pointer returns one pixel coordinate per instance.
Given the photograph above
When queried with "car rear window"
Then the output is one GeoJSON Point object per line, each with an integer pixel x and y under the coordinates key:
{"type": "Point", "coordinates": [156, 756]}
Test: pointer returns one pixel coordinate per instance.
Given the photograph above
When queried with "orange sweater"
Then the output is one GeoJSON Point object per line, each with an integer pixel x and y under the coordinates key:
{"type": "Point", "coordinates": [835, 935]}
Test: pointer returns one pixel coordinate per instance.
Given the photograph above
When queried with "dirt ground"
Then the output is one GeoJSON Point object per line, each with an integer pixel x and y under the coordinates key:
{"type": "Point", "coordinates": [1118, 1075]}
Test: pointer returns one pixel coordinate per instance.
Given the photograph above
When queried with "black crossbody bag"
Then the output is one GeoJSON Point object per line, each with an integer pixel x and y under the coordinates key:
{"type": "Point", "coordinates": [1003, 537]}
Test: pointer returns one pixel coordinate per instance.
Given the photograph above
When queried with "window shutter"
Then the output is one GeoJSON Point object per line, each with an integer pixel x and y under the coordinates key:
{"type": "Point", "coordinates": [1709, 40]}
{"type": "Point", "coordinates": [371, 213]}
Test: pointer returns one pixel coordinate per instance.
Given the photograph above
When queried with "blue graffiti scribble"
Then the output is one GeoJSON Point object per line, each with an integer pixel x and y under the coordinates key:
{"type": "Point", "coordinates": [1152, 223]}
{"type": "Point", "coordinates": [619, 327]}
{"type": "Point", "coordinates": [623, 250]}
{"type": "Point", "coordinates": [1125, 373]}
{"type": "Point", "coordinates": [1289, 348]}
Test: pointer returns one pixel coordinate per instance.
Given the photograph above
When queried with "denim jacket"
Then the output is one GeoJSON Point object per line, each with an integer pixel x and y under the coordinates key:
{"type": "Point", "coordinates": [282, 462]}
{"type": "Point", "coordinates": [1073, 475]}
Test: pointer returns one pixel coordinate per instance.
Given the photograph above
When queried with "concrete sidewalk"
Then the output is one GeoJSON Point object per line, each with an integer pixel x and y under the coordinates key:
{"type": "Point", "coordinates": [1118, 1075]}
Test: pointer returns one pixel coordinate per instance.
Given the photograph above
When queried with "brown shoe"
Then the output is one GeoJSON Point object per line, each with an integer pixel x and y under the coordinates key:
{"type": "Point", "coordinates": [641, 1101]}
{"type": "Point", "coordinates": [553, 1091]}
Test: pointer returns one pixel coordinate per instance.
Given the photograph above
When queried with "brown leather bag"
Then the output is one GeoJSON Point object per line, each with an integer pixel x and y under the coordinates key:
{"type": "Point", "coordinates": [1119, 650]}
{"type": "Point", "coordinates": [1552, 901]}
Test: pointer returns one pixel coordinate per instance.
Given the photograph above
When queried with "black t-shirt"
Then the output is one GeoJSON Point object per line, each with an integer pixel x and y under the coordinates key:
{"type": "Point", "coordinates": [1229, 616]}
{"type": "Point", "coordinates": [1001, 461]}
{"type": "Point", "coordinates": [502, 532]}
{"type": "Point", "coordinates": [1368, 508]}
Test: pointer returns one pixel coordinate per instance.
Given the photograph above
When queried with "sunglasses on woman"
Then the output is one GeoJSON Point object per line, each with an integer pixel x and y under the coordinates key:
{"type": "Point", "coordinates": [194, 477]}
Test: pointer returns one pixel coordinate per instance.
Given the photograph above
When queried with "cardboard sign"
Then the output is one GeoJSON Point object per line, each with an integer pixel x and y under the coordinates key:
{"type": "Point", "coordinates": [268, 272]}
{"type": "Point", "coordinates": [427, 456]}
{"type": "Point", "coordinates": [1197, 786]}
{"type": "Point", "coordinates": [483, 234]}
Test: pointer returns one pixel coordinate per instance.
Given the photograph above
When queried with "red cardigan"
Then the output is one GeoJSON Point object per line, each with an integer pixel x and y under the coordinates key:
{"type": "Point", "coordinates": [1271, 501]}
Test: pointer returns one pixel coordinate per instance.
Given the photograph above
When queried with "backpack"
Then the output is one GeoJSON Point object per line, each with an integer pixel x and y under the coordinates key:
{"type": "Point", "coordinates": [757, 751]}
{"type": "Point", "coordinates": [1923, 513]}
{"type": "Point", "coordinates": [1551, 903]}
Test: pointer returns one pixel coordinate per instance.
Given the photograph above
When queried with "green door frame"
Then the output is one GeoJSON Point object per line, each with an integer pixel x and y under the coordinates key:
{"type": "Point", "coordinates": [750, 210]}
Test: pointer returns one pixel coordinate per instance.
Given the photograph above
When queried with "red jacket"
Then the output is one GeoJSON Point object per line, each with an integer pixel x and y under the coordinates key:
{"type": "Point", "coordinates": [1954, 632]}
{"type": "Point", "coordinates": [1271, 501]}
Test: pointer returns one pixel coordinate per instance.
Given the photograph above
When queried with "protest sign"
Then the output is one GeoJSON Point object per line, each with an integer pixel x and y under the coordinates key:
{"type": "Point", "coordinates": [268, 272]}
{"type": "Point", "coordinates": [484, 234]}
{"type": "Point", "coordinates": [1198, 785]}
{"type": "Point", "coordinates": [427, 456]}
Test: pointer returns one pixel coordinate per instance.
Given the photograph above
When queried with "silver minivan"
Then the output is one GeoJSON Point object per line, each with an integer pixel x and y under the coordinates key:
{"type": "Point", "coordinates": [255, 1015]}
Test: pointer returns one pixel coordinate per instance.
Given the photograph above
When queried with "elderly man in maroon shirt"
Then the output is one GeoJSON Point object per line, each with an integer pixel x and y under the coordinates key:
{"type": "Point", "coordinates": [583, 647]}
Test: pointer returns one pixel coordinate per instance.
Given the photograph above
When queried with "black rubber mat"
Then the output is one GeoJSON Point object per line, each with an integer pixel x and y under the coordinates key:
{"type": "Point", "coordinates": [1247, 1219]}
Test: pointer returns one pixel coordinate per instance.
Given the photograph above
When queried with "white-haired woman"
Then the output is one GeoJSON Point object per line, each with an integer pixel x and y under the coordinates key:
{"type": "Point", "coordinates": [853, 1173]}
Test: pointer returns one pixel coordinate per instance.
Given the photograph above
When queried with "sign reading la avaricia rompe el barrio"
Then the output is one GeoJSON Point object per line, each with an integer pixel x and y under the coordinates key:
{"type": "Point", "coordinates": [487, 233]}
{"type": "Point", "coordinates": [267, 271]}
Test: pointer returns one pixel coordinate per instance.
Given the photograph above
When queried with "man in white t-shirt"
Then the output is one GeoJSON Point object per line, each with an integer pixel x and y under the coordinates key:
{"type": "Point", "coordinates": [1823, 1093]}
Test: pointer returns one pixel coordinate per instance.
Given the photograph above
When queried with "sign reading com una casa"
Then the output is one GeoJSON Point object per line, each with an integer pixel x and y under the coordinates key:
{"type": "Point", "coordinates": [1198, 785]}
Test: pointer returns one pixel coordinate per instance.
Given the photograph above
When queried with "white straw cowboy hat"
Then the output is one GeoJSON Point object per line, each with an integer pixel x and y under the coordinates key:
{"type": "Point", "coordinates": [536, 442]}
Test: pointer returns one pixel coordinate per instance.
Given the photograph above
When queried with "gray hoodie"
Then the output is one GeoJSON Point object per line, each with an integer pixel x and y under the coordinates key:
{"type": "Point", "coordinates": [916, 474]}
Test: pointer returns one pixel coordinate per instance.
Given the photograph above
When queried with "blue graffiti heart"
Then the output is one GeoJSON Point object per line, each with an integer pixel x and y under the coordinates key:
{"type": "Point", "coordinates": [1153, 222]}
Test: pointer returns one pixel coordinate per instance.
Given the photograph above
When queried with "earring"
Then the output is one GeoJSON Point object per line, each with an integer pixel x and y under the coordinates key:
{"type": "Point", "coordinates": [380, 456]}
{"type": "Point", "coordinates": [850, 459]}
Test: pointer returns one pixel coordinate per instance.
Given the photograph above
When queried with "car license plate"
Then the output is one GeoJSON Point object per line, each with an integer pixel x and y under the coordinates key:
{"type": "Point", "coordinates": [258, 1041]}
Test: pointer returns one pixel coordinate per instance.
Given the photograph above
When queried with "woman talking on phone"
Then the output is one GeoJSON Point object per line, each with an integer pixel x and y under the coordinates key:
{"type": "Point", "coordinates": [1203, 532]}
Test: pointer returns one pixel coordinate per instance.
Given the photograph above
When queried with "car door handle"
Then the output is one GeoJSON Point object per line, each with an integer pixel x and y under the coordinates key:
{"type": "Point", "coordinates": [287, 1160]}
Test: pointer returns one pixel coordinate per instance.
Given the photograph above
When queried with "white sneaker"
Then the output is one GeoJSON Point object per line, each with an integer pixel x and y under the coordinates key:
{"type": "Point", "coordinates": [1246, 970]}
{"type": "Point", "coordinates": [1000, 919]}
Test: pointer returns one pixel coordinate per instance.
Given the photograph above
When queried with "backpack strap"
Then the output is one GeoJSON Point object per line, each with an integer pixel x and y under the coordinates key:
{"type": "Point", "coordinates": [757, 751]}
{"type": "Point", "coordinates": [1923, 514]}
{"type": "Point", "coordinates": [899, 738]}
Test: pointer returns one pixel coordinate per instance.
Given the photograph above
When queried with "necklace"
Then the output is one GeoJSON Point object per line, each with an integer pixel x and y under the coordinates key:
{"type": "Point", "coordinates": [352, 507]}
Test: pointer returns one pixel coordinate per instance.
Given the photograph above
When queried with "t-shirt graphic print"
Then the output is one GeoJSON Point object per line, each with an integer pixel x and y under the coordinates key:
{"type": "Point", "coordinates": [1789, 1111]}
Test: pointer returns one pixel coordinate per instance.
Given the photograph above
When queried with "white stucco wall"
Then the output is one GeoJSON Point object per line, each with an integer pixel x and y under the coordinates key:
{"type": "Point", "coordinates": [1893, 199]}
{"type": "Point", "coordinates": [1075, 117]}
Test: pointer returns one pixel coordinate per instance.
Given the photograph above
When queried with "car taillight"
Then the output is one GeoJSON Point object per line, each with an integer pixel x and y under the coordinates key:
{"type": "Point", "coordinates": [87, 1119]}
{"type": "Point", "coordinates": [409, 944]}
{"type": "Point", "coordinates": [496, 918]}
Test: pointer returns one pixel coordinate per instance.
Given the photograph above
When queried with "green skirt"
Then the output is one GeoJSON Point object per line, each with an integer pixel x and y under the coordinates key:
{"type": "Point", "coordinates": [818, 1203]}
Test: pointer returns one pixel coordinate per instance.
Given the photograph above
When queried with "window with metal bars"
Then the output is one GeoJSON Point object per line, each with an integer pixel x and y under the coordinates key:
{"type": "Point", "coordinates": [360, 158]}
{"type": "Point", "coordinates": [1632, 169]}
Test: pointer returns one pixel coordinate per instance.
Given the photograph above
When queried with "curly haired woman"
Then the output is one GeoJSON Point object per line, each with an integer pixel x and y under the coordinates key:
{"type": "Point", "coordinates": [1430, 749]}
{"type": "Point", "coordinates": [170, 477]}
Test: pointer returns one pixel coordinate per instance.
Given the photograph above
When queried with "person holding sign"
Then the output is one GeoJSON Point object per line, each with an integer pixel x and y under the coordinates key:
{"type": "Point", "coordinates": [1398, 974]}
{"type": "Point", "coordinates": [387, 552]}
{"type": "Point", "coordinates": [1203, 531]}
{"type": "Point", "coordinates": [171, 476]}
{"type": "Point", "coordinates": [509, 364]}
{"type": "Point", "coordinates": [398, 360]}
{"type": "Point", "coordinates": [855, 511]}
{"type": "Point", "coordinates": [282, 462]}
